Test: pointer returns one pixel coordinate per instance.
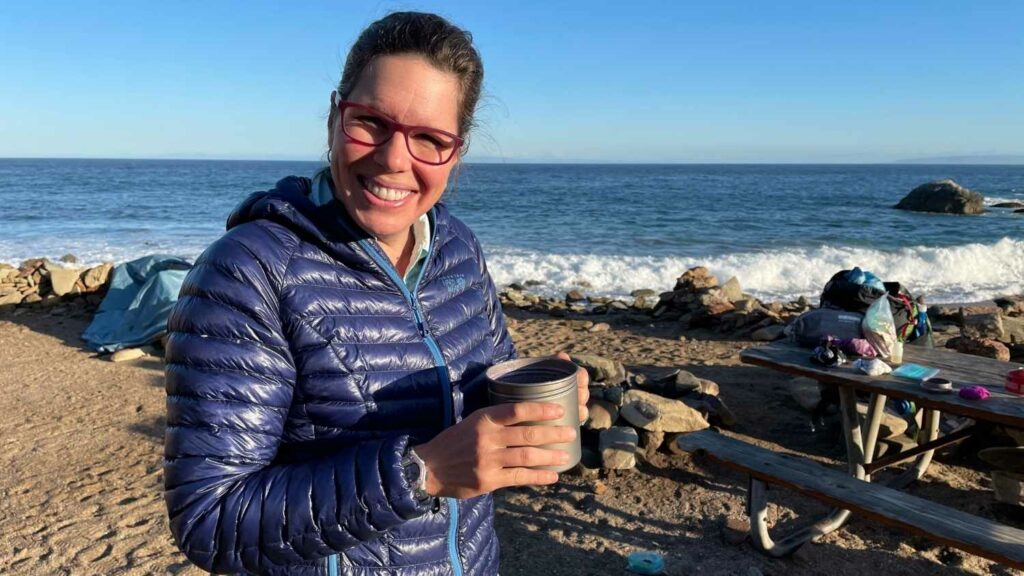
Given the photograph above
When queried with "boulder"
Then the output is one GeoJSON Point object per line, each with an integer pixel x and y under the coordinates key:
{"type": "Point", "coordinates": [657, 414]}
{"type": "Point", "coordinates": [651, 441]}
{"type": "Point", "coordinates": [613, 394]}
{"type": "Point", "coordinates": [1007, 459]}
{"type": "Point", "coordinates": [644, 299]}
{"type": "Point", "coordinates": [574, 296]}
{"type": "Point", "coordinates": [601, 369]}
{"type": "Point", "coordinates": [891, 425]}
{"type": "Point", "coordinates": [1013, 329]}
{"type": "Point", "coordinates": [1008, 205]}
{"type": "Point", "coordinates": [983, 325]}
{"type": "Point", "coordinates": [732, 291]}
{"type": "Point", "coordinates": [97, 276]}
{"type": "Point", "coordinates": [69, 259]}
{"type": "Point", "coordinates": [11, 299]}
{"type": "Point", "coordinates": [62, 280]}
{"type": "Point", "coordinates": [982, 347]}
{"type": "Point", "coordinates": [1008, 487]}
{"type": "Point", "coordinates": [769, 333]}
{"type": "Point", "coordinates": [694, 279]}
{"type": "Point", "coordinates": [806, 392]}
{"type": "Point", "coordinates": [126, 354]}
{"type": "Point", "coordinates": [1011, 305]}
{"type": "Point", "coordinates": [617, 446]}
{"type": "Point", "coordinates": [603, 414]}
{"type": "Point", "coordinates": [945, 196]}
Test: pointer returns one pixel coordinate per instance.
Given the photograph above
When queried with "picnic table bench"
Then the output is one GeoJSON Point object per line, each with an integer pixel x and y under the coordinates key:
{"type": "Point", "coordinates": [853, 490]}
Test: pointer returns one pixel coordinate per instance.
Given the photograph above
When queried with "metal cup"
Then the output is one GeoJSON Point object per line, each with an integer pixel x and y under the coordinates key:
{"type": "Point", "coordinates": [540, 380]}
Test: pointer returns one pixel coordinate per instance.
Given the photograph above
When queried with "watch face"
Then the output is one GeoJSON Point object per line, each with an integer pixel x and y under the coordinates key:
{"type": "Point", "coordinates": [412, 472]}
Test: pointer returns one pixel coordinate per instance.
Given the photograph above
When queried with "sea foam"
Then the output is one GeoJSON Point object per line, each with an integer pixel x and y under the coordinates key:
{"type": "Point", "coordinates": [948, 274]}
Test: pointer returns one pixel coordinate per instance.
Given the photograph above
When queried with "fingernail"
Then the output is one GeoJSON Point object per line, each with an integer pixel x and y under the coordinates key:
{"type": "Point", "coordinates": [552, 477]}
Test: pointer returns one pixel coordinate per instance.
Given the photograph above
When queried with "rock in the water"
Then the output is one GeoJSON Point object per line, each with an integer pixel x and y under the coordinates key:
{"type": "Point", "coordinates": [1008, 487]}
{"type": "Point", "coordinates": [1008, 459]}
{"type": "Point", "coordinates": [985, 325]}
{"type": "Point", "coordinates": [69, 259]}
{"type": "Point", "coordinates": [603, 414]}
{"type": "Point", "coordinates": [984, 347]}
{"type": "Point", "coordinates": [126, 354]}
{"type": "Point", "coordinates": [574, 296]}
{"type": "Point", "coordinates": [657, 414]}
{"type": "Point", "coordinates": [601, 369]}
{"type": "Point", "coordinates": [1008, 205]}
{"type": "Point", "coordinates": [63, 280]}
{"type": "Point", "coordinates": [644, 299]}
{"type": "Point", "coordinates": [944, 196]}
{"type": "Point", "coordinates": [806, 392]}
{"type": "Point", "coordinates": [769, 333]}
{"type": "Point", "coordinates": [618, 447]}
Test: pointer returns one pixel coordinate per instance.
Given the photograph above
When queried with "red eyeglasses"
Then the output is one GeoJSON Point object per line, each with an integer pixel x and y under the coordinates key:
{"type": "Point", "coordinates": [369, 127]}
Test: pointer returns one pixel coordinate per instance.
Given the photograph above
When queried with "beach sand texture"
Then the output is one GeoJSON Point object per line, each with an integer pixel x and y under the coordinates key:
{"type": "Point", "coordinates": [81, 479]}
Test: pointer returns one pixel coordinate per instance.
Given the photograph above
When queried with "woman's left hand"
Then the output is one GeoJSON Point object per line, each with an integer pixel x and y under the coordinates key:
{"type": "Point", "coordinates": [582, 387]}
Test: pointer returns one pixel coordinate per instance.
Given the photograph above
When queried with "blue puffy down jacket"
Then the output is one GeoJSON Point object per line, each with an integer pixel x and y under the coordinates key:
{"type": "Point", "coordinates": [299, 367]}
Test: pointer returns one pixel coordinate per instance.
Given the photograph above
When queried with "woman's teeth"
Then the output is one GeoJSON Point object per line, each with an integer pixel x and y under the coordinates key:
{"type": "Point", "coordinates": [389, 194]}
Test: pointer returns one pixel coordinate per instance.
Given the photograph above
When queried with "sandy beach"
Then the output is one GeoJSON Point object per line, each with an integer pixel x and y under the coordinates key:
{"type": "Point", "coordinates": [81, 479]}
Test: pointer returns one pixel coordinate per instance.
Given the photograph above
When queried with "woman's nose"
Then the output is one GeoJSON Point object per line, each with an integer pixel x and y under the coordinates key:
{"type": "Point", "coordinates": [394, 154]}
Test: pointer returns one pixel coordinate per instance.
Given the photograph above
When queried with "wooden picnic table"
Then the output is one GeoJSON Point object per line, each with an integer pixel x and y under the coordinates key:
{"type": "Point", "coordinates": [861, 437]}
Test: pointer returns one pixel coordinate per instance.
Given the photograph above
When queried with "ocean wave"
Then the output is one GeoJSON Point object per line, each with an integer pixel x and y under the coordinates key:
{"type": "Point", "coordinates": [943, 274]}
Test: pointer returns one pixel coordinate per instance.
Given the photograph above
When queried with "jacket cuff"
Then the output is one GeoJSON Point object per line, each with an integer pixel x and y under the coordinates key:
{"type": "Point", "coordinates": [400, 491]}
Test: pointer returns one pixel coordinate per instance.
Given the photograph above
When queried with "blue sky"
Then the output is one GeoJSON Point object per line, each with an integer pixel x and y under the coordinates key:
{"type": "Point", "coordinates": [585, 81]}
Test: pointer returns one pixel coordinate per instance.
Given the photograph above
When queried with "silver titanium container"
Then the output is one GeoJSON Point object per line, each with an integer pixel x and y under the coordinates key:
{"type": "Point", "coordinates": [540, 380]}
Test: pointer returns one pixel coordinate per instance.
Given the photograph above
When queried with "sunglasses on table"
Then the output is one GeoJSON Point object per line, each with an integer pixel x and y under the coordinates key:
{"type": "Point", "coordinates": [371, 127]}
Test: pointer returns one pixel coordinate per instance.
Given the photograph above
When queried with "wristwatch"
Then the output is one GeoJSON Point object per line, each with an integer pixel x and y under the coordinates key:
{"type": "Point", "coordinates": [415, 474]}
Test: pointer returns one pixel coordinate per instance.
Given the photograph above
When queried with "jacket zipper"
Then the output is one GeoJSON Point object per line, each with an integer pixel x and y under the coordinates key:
{"type": "Point", "coordinates": [377, 255]}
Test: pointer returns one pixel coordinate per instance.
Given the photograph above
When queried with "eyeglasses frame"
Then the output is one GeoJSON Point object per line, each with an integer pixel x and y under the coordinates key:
{"type": "Point", "coordinates": [394, 126]}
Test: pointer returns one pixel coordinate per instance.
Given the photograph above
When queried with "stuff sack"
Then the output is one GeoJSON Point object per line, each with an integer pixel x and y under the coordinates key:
{"type": "Point", "coordinates": [810, 327]}
{"type": "Point", "coordinates": [843, 291]}
{"type": "Point", "coordinates": [879, 327]}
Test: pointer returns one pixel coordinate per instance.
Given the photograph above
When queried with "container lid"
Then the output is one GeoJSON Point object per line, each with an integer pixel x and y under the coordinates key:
{"type": "Point", "coordinates": [531, 376]}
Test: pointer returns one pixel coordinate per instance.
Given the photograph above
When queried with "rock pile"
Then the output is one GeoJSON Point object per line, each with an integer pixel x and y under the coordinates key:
{"type": "Point", "coordinates": [632, 415]}
{"type": "Point", "coordinates": [697, 301]}
{"type": "Point", "coordinates": [995, 331]}
{"type": "Point", "coordinates": [38, 282]}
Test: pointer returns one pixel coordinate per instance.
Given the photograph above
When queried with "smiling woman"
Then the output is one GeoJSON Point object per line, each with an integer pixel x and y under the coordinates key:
{"type": "Point", "coordinates": [326, 411]}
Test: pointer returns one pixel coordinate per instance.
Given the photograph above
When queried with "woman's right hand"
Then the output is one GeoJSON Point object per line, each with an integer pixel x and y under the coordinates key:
{"type": "Point", "coordinates": [487, 451]}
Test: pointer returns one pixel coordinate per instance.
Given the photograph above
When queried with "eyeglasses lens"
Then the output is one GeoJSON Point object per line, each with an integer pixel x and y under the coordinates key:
{"type": "Point", "coordinates": [425, 145]}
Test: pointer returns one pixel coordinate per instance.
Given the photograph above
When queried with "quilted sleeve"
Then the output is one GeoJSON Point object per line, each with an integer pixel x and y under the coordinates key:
{"type": "Point", "coordinates": [504, 349]}
{"type": "Point", "coordinates": [229, 381]}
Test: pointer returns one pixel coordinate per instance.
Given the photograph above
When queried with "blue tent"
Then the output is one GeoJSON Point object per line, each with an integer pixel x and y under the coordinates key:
{"type": "Point", "coordinates": [135, 310]}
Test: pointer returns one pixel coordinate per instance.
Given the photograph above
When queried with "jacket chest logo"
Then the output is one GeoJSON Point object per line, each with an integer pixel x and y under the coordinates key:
{"type": "Point", "coordinates": [455, 283]}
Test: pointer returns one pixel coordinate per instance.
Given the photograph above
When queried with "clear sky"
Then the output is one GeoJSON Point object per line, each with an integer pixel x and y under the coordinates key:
{"type": "Point", "coordinates": [599, 81]}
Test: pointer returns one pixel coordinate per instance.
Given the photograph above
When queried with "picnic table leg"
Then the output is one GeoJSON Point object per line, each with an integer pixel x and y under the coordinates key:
{"type": "Point", "coordinates": [757, 504]}
{"type": "Point", "coordinates": [930, 429]}
{"type": "Point", "coordinates": [876, 406]}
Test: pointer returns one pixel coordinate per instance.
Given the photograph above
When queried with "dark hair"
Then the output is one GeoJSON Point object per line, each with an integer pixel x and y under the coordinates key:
{"type": "Point", "coordinates": [446, 46]}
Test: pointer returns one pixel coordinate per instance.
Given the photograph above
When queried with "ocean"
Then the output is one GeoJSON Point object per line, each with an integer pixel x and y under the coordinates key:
{"type": "Point", "coordinates": [782, 230]}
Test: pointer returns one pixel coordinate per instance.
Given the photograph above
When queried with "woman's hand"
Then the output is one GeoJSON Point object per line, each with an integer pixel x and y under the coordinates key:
{"type": "Point", "coordinates": [582, 387]}
{"type": "Point", "coordinates": [487, 451]}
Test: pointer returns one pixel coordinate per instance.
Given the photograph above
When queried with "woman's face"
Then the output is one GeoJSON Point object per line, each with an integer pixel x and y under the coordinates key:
{"type": "Point", "coordinates": [384, 189]}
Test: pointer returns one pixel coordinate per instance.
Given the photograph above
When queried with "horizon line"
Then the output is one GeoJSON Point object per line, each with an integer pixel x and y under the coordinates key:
{"type": "Point", "coordinates": [990, 160]}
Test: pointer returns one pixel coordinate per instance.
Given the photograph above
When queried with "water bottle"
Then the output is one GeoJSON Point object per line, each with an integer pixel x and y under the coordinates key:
{"type": "Point", "coordinates": [905, 407]}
